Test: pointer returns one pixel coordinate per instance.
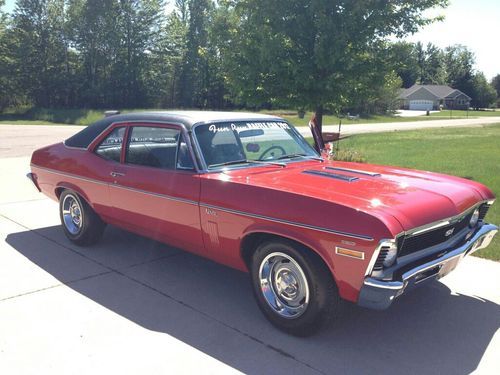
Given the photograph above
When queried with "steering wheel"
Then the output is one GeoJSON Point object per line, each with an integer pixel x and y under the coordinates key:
{"type": "Point", "coordinates": [269, 149]}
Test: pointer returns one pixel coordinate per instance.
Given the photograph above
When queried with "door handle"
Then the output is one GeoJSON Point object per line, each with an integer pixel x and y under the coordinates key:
{"type": "Point", "coordinates": [117, 174]}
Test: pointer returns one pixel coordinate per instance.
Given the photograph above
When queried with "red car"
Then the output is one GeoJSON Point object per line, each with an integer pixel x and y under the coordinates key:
{"type": "Point", "coordinates": [248, 191]}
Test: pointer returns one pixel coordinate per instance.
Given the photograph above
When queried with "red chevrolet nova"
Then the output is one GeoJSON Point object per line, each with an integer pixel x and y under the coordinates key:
{"type": "Point", "coordinates": [248, 191]}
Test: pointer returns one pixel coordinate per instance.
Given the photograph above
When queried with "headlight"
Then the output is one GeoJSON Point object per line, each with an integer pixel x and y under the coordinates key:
{"type": "Point", "coordinates": [474, 218]}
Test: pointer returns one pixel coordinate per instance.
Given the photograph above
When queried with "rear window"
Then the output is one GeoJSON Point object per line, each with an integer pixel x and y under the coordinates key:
{"type": "Point", "coordinates": [84, 138]}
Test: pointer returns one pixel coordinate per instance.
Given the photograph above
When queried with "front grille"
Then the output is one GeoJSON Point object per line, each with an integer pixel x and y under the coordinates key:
{"type": "Point", "coordinates": [483, 210]}
{"type": "Point", "coordinates": [411, 244]}
{"type": "Point", "coordinates": [379, 264]}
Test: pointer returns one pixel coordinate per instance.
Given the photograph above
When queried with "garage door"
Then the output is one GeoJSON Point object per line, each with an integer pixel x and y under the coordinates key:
{"type": "Point", "coordinates": [421, 105]}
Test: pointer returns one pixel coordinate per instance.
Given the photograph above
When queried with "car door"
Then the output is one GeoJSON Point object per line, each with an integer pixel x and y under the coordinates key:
{"type": "Point", "coordinates": [155, 190]}
{"type": "Point", "coordinates": [105, 156]}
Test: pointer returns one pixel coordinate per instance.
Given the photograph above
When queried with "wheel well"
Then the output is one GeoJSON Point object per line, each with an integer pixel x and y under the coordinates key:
{"type": "Point", "coordinates": [59, 191]}
{"type": "Point", "coordinates": [253, 240]}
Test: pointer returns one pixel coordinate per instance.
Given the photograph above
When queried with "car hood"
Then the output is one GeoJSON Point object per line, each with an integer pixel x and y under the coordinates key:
{"type": "Point", "coordinates": [414, 198]}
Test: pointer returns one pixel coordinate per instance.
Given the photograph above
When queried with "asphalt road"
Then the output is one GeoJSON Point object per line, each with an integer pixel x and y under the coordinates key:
{"type": "Point", "coordinates": [399, 126]}
{"type": "Point", "coordinates": [130, 305]}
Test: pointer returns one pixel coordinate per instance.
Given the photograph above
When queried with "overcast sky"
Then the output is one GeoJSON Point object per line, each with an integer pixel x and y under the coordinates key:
{"type": "Point", "coordinates": [475, 24]}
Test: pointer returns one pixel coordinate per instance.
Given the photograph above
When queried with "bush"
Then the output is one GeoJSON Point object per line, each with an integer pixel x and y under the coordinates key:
{"type": "Point", "coordinates": [348, 155]}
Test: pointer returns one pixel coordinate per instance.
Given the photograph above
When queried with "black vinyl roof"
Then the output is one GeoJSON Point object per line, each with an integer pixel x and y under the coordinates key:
{"type": "Point", "coordinates": [85, 137]}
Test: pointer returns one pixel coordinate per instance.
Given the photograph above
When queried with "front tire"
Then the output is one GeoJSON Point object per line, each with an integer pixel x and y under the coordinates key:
{"type": "Point", "coordinates": [293, 287]}
{"type": "Point", "coordinates": [80, 223]}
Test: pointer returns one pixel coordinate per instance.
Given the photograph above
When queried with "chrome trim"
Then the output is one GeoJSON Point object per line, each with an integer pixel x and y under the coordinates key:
{"type": "Point", "coordinates": [74, 148]}
{"type": "Point", "coordinates": [376, 253]}
{"type": "Point", "coordinates": [164, 196]}
{"type": "Point", "coordinates": [205, 169]}
{"type": "Point", "coordinates": [184, 134]}
{"type": "Point", "coordinates": [439, 225]}
{"type": "Point", "coordinates": [361, 253]}
{"type": "Point", "coordinates": [335, 176]}
{"type": "Point", "coordinates": [32, 179]}
{"type": "Point", "coordinates": [372, 174]}
{"type": "Point", "coordinates": [126, 122]}
{"type": "Point", "coordinates": [486, 233]}
{"type": "Point", "coordinates": [183, 130]}
{"type": "Point", "coordinates": [282, 221]}
{"type": "Point", "coordinates": [242, 213]}
{"type": "Point", "coordinates": [70, 175]}
{"type": "Point", "coordinates": [449, 220]}
{"type": "Point", "coordinates": [395, 285]}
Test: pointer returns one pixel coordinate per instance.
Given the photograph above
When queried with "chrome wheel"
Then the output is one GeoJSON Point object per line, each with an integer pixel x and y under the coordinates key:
{"type": "Point", "coordinates": [284, 285]}
{"type": "Point", "coordinates": [72, 214]}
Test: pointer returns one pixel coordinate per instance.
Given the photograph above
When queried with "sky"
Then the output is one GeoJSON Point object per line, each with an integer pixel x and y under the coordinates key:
{"type": "Point", "coordinates": [475, 24]}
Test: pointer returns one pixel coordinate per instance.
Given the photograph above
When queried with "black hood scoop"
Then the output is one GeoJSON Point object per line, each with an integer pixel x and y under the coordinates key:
{"type": "Point", "coordinates": [336, 176]}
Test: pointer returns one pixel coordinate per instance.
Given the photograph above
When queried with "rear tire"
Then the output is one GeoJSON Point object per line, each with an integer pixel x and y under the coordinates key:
{"type": "Point", "coordinates": [293, 287]}
{"type": "Point", "coordinates": [80, 223]}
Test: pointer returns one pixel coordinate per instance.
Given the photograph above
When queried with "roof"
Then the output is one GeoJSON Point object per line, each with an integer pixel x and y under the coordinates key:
{"type": "Point", "coordinates": [85, 137]}
{"type": "Point", "coordinates": [440, 91]}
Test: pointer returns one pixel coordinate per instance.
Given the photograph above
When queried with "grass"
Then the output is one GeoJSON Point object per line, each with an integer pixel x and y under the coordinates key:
{"type": "Point", "coordinates": [465, 114]}
{"type": "Point", "coordinates": [466, 152]}
{"type": "Point", "coordinates": [334, 120]}
{"type": "Point", "coordinates": [43, 116]}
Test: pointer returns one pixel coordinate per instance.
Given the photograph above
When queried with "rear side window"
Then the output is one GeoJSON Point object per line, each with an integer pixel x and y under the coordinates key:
{"type": "Point", "coordinates": [153, 147]}
{"type": "Point", "coordinates": [111, 147]}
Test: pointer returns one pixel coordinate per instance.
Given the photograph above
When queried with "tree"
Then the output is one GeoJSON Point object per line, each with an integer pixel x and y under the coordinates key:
{"type": "Point", "coordinates": [405, 62]}
{"type": "Point", "coordinates": [495, 82]}
{"type": "Point", "coordinates": [182, 10]}
{"type": "Point", "coordinates": [483, 94]}
{"type": "Point", "coordinates": [311, 52]}
{"type": "Point", "coordinates": [40, 49]}
{"type": "Point", "coordinates": [430, 64]}
{"type": "Point", "coordinates": [166, 63]}
{"type": "Point", "coordinates": [195, 73]}
{"type": "Point", "coordinates": [459, 66]}
{"type": "Point", "coordinates": [139, 24]}
{"type": "Point", "coordinates": [5, 62]}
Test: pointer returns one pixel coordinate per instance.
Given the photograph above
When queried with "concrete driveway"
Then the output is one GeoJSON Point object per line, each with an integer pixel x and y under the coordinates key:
{"type": "Point", "coordinates": [130, 305]}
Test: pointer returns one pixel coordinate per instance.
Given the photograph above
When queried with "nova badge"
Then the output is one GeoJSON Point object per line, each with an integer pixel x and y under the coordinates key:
{"type": "Point", "coordinates": [449, 232]}
{"type": "Point", "coordinates": [210, 212]}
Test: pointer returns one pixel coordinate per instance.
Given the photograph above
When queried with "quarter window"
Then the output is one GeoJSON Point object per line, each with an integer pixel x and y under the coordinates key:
{"type": "Point", "coordinates": [111, 147]}
{"type": "Point", "coordinates": [153, 147]}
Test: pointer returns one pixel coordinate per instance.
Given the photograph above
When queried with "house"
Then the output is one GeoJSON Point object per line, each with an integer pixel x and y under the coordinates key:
{"type": "Point", "coordinates": [433, 97]}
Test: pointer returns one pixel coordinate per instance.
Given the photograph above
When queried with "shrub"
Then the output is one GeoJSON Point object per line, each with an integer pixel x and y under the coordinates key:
{"type": "Point", "coordinates": [348, 155]}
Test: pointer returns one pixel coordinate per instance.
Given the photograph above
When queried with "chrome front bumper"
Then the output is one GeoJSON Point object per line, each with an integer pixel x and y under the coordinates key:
{"type": "Point", "coordinates": [379, 294]}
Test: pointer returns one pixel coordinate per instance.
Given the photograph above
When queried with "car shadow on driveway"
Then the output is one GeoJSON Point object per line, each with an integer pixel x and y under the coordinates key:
{"type": "Point", "coordinates": [210, 307]}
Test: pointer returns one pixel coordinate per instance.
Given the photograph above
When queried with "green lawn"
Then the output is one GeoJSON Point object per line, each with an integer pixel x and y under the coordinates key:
{"type": "Point", "coordinates": [465, 114]}
{"type": "Point", "coordinates": [466, 152]}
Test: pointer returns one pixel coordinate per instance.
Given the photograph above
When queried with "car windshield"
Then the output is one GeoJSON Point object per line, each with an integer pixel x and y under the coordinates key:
{"type": "Point", "coordinates": [247, 142]}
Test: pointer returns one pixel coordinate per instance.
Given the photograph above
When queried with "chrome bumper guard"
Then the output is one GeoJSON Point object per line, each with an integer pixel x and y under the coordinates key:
{"type": "Point", "coordinates": [379, 294]}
